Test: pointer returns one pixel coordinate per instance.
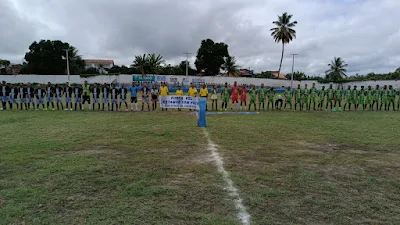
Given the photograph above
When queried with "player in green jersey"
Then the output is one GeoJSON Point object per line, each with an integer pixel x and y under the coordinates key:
{"type": "Point", "coordinates": [338, 98]}
{"type": "Point", "coordinates": [261, 97]}
{"type": "Point", "coordinates": [297, 97]}
{"type": "Point", "coordinates": [313, 96]}
{"type": "Point", "coordinates": [329, 93]}
{"type": "Point", "coordinates": [253, 97]}
{"type": "Point", "coordinates": [354, 97]}
{"type": "Point", "coordinates": [377, 95]}
{"type": "Point", "coordinates": [225, 96]}
{"type": "Point", "coordinates": [321, 97]}
{"type": "Point", "coordinates": [361, 98]}
{"type": "Point", "coordinates": [305, 96]}
{"type": "Point", "coordinates": [384, 95]}
{"type": "Point", "coordinates": [398, 99]}
{"type": "Point", "coordinates": [288, 97]}
{"type": "Point", "coordinates": [369, 94]}
{"type": "Point", "coordinates": [391, 97]}
{"type": "Point", "coordinates": [271, 95]}
{"type": "Point", "coordinates": [347, 94]}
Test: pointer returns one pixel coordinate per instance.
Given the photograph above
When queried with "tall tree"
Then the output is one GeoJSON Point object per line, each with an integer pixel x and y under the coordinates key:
{"type": "Point", "coordinates": [283, 32]}
{"type": "Point", "coordinates": [148, 64]}
{"type": "Point", "coordinates": [48, 57]}
{"type": "Point", "coordinates": [140, 63]}
{"type": "Point", "coordinates": [154, 63]}
{"type": "Point", "coordinates": [230, 66]}
{"type": "Point", "coordinates": [210, 56]}
{"type": "Point", "coordinates": [182, 67]}
{"type": "Point", "coordinates": [297, 76]}
{"type": "Point", "coordinates": [171, 70]}
{"type": "Point", "coordinates": [337, 70]}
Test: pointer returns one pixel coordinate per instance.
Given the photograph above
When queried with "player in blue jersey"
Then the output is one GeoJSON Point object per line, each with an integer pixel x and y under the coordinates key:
{"type": "Point", "coordinates": [134, 89]}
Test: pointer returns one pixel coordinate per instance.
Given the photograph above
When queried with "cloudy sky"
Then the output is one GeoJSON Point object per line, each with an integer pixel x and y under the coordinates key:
{"type": "Point", "coordinates": [365, 33]}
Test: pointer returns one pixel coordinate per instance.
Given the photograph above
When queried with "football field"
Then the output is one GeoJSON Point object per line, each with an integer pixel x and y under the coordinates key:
{"type": "Point", "coordinates": [277, 167]}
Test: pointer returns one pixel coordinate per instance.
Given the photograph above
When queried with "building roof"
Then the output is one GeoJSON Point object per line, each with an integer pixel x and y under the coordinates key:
{"type": "Point", "coordinates": [246, 72]}
{"type": "Point", "coordinates": [280, 76]}
{"type": "Point", "coordinates": [103, 61]}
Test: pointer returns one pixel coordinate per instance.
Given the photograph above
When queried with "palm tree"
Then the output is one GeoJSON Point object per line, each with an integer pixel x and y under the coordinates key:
{"type": "Point", "coordinates": [283, 32]}
{"type": "Point", "coordinates": [337, 69]}
{"type": "Point", "coordinates": [154, 62]}
{"type": "Point", "coordinates": [140, 63]}
{"type": "Point", "coordinates": [230, 66]}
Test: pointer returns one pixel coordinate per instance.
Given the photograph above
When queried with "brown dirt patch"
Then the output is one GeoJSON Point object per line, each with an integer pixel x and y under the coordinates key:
{"type": "Point", "coordinates": [99, 151]}
{"type": "Point", "coordinates": [329, 147]}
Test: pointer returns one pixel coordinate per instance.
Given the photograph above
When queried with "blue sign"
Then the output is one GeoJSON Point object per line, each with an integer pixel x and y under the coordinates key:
{"type": "Point", "coordinates": [143, 78]}
{"type": "Point", "coordinates": [161, 78]}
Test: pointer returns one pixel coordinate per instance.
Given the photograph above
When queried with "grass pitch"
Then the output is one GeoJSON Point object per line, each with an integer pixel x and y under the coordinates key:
{"type": "Point", "coordinates": [154, 168]}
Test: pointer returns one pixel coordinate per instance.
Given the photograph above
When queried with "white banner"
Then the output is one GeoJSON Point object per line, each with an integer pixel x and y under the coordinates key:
{"type": "Point", "coordinates": [183, 102]}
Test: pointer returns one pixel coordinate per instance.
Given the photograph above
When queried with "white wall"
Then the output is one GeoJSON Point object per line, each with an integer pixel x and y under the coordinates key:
{"type": "Point", "coordinates": [127, 79]}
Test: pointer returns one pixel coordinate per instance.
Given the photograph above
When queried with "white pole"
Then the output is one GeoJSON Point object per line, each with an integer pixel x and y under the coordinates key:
{"type": "Point", "coordinates": [68, 66]}
{"type": "Point", "coordinates": [187, 65]}
{"type": "Point", "coordinates": [291, 79]}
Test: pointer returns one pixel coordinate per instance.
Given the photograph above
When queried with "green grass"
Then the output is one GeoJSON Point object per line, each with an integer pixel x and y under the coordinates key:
{"type": "Point", "coordinates": [314, 168]}
{"type": "Point", "coordinates": [153, 168]}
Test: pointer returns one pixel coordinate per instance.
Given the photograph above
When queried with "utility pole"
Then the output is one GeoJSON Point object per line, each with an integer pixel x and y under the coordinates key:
{"type": "Point", "coordinates": [187, 62]}
{"type": "Point", "coordinates": [187, 65]}
{"type": "Point", "coordinates": [291, 80]}
{"type": "Point", "coordinates": [66, 50]}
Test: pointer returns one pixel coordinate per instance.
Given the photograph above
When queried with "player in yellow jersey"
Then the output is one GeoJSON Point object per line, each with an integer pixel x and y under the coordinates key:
{"type": "Point", "coordinates": [163, 93]}
{"type": "Point", "coordinates": [179, 92]}
{"type": "Point", "coordinates": [192, 92]}
{"type": "Point", "coordinates": [204, 94]}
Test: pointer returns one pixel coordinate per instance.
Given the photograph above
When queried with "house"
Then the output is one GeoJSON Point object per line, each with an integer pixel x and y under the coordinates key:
{"type": "Point", "coordinates": [11, 70]}
{"type": "Point", "coordinates": [246, 73]}
{"type": "Point", "coordinates": [278, 76]}
{"type": "Point", "coordinates": [15, 68]}
{"type": "Point", "coordinates": [98, 63]}
{"type": "Point", "coordinates": [243, 73]}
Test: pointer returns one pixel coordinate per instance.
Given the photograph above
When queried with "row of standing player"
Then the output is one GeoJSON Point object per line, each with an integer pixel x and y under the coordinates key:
{"type": "Point", "coordinates": [25, 96]}
{"type": "Point", "coordinates": [304, 97]}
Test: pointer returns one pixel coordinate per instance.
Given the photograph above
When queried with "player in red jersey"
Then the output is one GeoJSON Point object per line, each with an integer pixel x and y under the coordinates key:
{"type": "Point", "coordinates": [243, 97]}
{"type": "Point", "coordinates": [235, 95]}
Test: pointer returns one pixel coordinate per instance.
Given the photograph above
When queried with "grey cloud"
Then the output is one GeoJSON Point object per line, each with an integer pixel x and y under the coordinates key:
{"type": "Point", "coordinates": [362, 32]}
{"type": "Point", "coordinates": [16, 32]}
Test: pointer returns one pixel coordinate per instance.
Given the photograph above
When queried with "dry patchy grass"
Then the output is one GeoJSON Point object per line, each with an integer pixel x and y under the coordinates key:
{"type": "Point", "coordinates": [153, 168]}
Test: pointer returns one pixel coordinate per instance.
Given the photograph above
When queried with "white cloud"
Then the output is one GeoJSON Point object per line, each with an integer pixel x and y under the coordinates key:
{"type": "Point", "coordinates": [363, 32]}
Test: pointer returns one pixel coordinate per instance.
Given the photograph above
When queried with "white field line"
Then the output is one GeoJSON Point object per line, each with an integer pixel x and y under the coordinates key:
{"type": "Point", "coordinates": [233, 192]}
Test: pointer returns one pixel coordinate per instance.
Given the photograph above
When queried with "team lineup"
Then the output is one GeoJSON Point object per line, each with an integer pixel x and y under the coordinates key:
{"type": "Point", "coordinates": [57, 97]}
{"type": "Point", "coordinates": [305, 98]}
